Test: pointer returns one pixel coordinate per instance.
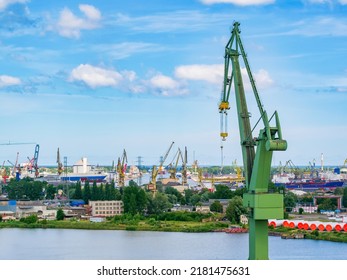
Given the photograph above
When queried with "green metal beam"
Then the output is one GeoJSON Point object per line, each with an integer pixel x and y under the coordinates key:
{"type": "Point", "coordinates": [257, 162]}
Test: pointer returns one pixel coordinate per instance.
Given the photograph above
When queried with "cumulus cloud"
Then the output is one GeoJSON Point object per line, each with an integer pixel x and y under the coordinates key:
{"type": "Point", "coordinates": [5, 3]}
{"type": "Point", "coordinates": [262, 79]}
{"type": "Point", "coordinates": [95, 76]}
{"type": "Point", "coordinates": [239, 2]}
{"type": "Point", "coordinates": [214, 74]}
{"type": "Point", "coordinates": [166, 86]}
{"type": "Point", "coordinates": [211, 73]}
{"type": "Point", "coordinates": [6, 81]}
{"type": "Point", "coordinates": [70, 25]}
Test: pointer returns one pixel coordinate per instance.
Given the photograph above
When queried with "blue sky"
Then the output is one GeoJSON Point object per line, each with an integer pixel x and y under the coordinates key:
{"type": "Point", "coordinates": [96, 77]}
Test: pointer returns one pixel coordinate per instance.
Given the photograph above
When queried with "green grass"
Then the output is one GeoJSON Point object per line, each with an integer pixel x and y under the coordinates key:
{"type": "Point", "coordinates": [173, 226]}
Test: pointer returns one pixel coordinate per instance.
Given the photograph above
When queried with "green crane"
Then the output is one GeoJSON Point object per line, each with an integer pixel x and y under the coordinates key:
{"type": "Point", "coordinates": [256, 152]}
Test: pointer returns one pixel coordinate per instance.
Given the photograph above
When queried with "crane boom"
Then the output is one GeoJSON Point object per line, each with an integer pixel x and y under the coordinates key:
{"type": "Point", "coordinates": [256, 152]}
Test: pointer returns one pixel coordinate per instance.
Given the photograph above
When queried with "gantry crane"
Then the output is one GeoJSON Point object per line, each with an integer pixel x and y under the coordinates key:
{"type": "Point", "coordinates": [121, 169]}
{"type": "Point", "coordinates": [257, 164]}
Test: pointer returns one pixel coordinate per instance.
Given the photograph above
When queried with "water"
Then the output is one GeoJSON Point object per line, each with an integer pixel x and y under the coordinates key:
{"type": "Point", "coordinates": [69, 244]}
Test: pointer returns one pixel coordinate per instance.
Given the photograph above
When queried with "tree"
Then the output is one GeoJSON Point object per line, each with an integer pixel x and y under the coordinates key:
{"type": "Point", "coordinates": [86, 192]}
{"type": "Point", "coordinates": [95, 192]}
{"type": "Point", "coordinates": [158, 204]}
{"type": "Point", "coordinates": [289, 201]}
{"type": "Point", "coordinates": [60, 215]}
{"type": "Point", "coordinates": [222, 192]}
{"type": "Point", "coordinates": [132, 209]}
{"type": "Point", "coordinates": [344, 198]}
{"type": "Point", "coordinates": [141, 201]}
{"type": "Point", "coordinates": [188, 194]}
{"type": "Point", "coordinates": [235, 209]}
{"type": "Point", "coordinates": [216, 206]}
{"type": "Point", "coordinates": [134, 199]}
{"type": "Point", "coordinates": [50, 192]}
{"type": "Point", "coordinates": [326, 204]}
{"type": "Point", "coordinates": [78, 191]}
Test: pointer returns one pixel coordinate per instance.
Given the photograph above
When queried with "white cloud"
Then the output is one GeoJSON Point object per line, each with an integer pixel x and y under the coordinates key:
{"type": "Point", "coordinates": [320, 26]}
{"type": "Point", "coordinates": [343, 2]}
{"type": "Point", "coordinates": [90, 11]}
{"type": "Point", "coordinates": [70, 25]}
{"type": "Point", "coordinates": [214, 74]}
{"type": "Point", "coordinates": [5, 3]}
{"type": "Point", "coordinates": [166, 86]}
{"type": "Point", "coordinates": [239, 2]}
{"type": "Point", "coordinates": [95, 76]}
{"type": "Point", "coordinates": [210, 73]}
{"type": "Point", "coordinates": [6, 81]}
{"type": "Point", "coordinates": [262, 79]}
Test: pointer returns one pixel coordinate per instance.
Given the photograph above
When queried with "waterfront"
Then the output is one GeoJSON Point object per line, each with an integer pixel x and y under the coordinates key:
{"type": "Point", "coordinates": [70, 244]}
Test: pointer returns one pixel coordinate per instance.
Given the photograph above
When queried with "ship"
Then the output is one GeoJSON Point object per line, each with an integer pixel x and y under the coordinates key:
{"type": "Point", "coordinates": [324, 181]}
{"type": "Point", "coordinates": [316, 184]}
{"type": "Point", "coordinates": [82, 171]}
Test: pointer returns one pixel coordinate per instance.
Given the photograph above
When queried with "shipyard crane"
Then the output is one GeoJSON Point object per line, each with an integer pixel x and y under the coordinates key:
{"type": "Point", "coordinates": [16, 170]}
{"type": "Point", "coordinates": [60, 165]}
{"type": "Point", "coordinates": [35, 159]}
{"type": "Point", "coordinates": [184, 167]}
{"type": "Point", "coordinates": [4, 173]}
{"type": "Point", "coordinates": [173, 168]}
{"type": "Point", "coordinates": [121, 168]}
{"type": "Point", "coordinates": [163, 159]}
{"type": "Point", "coordinates": [256, 152]}
{"type": "Point", "coordinates": [152, 186]}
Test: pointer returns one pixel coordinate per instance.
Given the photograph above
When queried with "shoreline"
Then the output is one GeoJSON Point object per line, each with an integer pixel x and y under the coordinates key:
{"type": "Point", "coordinates": [178, 226]}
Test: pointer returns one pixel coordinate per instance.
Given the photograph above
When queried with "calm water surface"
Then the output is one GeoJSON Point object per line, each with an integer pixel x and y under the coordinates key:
{"type": "Point", "coordinates": [69, 244]}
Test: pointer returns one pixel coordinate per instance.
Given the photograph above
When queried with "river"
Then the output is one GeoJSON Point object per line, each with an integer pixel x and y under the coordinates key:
{"type": "Point", "coordinates": [70, 244]}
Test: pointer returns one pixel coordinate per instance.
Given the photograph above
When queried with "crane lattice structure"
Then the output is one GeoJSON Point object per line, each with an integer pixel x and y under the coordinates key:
{"type": "Point", "coordinates": [257, 163]}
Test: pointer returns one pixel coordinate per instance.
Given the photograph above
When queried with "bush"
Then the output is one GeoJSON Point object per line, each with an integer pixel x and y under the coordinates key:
{"type": "Point", "coordinates": [32, 219]}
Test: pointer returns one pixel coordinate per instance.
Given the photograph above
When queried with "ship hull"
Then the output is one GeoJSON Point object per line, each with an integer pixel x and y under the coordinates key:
{"type": "Point", "coordinates": [312, 185]}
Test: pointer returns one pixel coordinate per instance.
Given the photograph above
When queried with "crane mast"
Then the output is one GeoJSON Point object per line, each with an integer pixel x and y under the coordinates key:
{"type": "Point", "coordinates": [256, 152]}
{"type": "Point", "coordinates": [60, 165]}
{"type": "Point", "coordinates": [121, 169]}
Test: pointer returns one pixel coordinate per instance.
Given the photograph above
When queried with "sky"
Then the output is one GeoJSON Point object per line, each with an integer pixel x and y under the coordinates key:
{"type": "Point", "coordinates": [94, 78]}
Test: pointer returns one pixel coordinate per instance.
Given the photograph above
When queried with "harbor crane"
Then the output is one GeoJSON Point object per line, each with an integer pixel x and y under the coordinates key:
{"type": "Point", "coordinates": [184, 167]}
{"type": "Point", "coordinates": [16, 170]}
{"type": "Point", "coordinates": [60, 165]}
{"type": "Point", "coordinates": [34, 161]}
{"type": "Point", "coordinates": [256, 152]}
{"type": "Point", "coordinates": [173, 168]}
{"type": "Point", "coordinates": [152, 186]}
{"type": "Point", "coordinates": [163, 159]}
{"type": "Point", "coordinates": [121, 168]}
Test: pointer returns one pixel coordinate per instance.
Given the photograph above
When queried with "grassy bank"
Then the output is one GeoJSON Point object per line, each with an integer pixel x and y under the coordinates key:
{"type": "Point", "coordinates": [315, 234]}
{"type": "Point", "coordinates": [173, 226]}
